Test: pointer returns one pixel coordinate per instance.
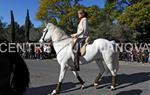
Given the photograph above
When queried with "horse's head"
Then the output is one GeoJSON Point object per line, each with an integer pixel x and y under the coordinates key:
{"type": "Point", "coordinates": [47, 33]}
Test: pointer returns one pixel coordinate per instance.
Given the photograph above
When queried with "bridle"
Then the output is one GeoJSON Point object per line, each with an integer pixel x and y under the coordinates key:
{"type": "Point", "coordinates": [56, 41]}
{"type": "Point", "coordinates": [44, 36]}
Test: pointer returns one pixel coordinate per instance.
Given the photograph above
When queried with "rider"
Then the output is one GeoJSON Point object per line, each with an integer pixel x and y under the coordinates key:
{"type": "Point", "coordinates": [81, 35]}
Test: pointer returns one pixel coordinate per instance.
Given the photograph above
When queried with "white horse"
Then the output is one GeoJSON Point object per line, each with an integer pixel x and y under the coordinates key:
{"type": "Point", "coordinates": [101, 51]}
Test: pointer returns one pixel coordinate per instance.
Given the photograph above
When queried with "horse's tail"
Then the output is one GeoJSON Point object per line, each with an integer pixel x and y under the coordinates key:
{"type": "Point", "coordinates": [114, 45]}
{"type": "Point", "coordinates": [87, 40]}
{"type": "Point", "coordinates": [20, 76]}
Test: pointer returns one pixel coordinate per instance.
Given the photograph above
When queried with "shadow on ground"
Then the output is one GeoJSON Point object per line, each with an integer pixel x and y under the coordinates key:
{"type": "Point", "coordinates": [44, 90]}
{"type": "Point", "coordinates": [130, 92]}
{"type": "Point", "coordinates": [123, 80]}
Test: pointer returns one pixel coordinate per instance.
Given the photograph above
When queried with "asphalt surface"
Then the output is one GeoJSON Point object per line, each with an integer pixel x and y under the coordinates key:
{"type": "Point", "coordinates": [132, 79]}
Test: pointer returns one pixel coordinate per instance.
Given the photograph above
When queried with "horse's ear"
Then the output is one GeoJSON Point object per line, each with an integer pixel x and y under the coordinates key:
{"type": "Point", "coordinates": [45, 23]}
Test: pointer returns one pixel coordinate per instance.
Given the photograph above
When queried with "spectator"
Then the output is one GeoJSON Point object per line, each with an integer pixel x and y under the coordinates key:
{"type": "Point", "coordinates": [38, 52]}
{"type": "Point", "coordinates": [47, 51]}
{"type": "Point", "coordinates": [32, 53]}
{"type": "Point", "coordinates": [134, 52]}
{"type": "Point", "coordinates": [146, 55]}
{"type": "Point", "coordinates": [149, 58]}
{"type": "Point", "coordinates": [140, 56]}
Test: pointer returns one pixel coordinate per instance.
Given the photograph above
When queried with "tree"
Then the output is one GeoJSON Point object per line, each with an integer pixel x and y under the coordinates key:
{"type": "Point", "coordinates": [8, 32]}
{"type": "Point", "coordinates": [27, 26]}
{"type": "Point", "coordinates": [2, 29]}
{"type": "Point", "coordinates": [137, 17]}
{"type": "Point", "coordinates": [35, 34]}
{"type": "Point", "coordinates": [12, 26]}
{"type": "Point", "coordinates": [103, 22]}
{"type": "Point", "coordinates": [20, 34]}
{"type": "Point", "coordinates": [60, 12]}
{"type": "Point", "coordinates": [114, 8]}
{"type": "Point", "coordinates": [63, 13]}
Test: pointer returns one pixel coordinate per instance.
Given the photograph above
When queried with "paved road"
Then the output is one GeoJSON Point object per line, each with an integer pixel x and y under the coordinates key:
{"type": "Point", "coordinates": [133, 79]}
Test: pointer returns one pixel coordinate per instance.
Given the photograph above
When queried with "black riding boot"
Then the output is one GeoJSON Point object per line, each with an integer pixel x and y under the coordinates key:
{"type": "Point", "coordinates": [77, 55]}
{"type": "Point", "coordinates": [76, 61]}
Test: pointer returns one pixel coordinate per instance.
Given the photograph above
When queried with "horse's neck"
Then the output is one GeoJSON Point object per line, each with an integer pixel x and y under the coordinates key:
{"type": "Point", "coordinates": [59, 46]}
{"type": "Point", "coordinates": [58, 35]}
{"type": "Point", "coordinates": [60, 40]}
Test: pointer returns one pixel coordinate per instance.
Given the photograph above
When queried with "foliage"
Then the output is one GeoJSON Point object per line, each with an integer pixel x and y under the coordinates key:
{"type": "Point", "coordinates": [27, 26]}
{"type": "Point", "coordinates": [120, 20]}
{"type": "Point", "coordinates": [35, 34]}
{"type": "Point", "coordinates": [59, 12]}
{"type": "Point", "coordinates": [12, 26]}
{"type": "Point", "coordinates": [137, 17]}
{"type": "Point", "coordinates": [2, 29]}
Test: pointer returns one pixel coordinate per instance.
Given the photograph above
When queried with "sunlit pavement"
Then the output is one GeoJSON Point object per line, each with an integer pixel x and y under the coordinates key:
{"type": "Point", "coordinates": [133, 79]}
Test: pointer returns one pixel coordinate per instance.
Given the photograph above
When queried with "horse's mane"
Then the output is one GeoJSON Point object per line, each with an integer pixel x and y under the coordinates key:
{"type": "Point", "coordinates": [59, 33]}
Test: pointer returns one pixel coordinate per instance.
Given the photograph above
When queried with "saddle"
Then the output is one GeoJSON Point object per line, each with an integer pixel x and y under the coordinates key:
{"type": "Point", "coordinates": [83, 48]}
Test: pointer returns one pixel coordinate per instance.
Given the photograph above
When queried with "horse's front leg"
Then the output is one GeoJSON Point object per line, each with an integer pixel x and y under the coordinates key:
{"type": "Point", "coordinates": [61, 77]}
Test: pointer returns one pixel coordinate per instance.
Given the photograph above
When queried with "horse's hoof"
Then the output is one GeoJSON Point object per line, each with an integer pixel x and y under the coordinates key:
{"type": "Point", "coordinates": [54, 92]}
{"type": "Point", "coordinates": [95, 85]}
{"type": "Point", "coordinates": [82, 87]}
{"type": "Point", "coordinates": [112, 87]}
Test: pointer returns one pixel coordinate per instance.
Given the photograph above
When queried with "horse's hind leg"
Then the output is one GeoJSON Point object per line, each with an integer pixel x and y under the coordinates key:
{"type": "Point", "coordinates": [79, 79]}
{"type": "Point", "coordinates": [113, 72]}
{"type": "Point", "coordinates": [101, 71]}
{"type": "Point", "coordinates": [113, 82]}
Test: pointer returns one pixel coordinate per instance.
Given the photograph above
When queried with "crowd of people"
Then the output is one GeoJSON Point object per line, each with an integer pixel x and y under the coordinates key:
{"type": "Point", "coordinates": [44, 52]}
{"type": "Point", "coordinates": [48, 52]}
{"type": "Point", "coordinates": [134, 55]}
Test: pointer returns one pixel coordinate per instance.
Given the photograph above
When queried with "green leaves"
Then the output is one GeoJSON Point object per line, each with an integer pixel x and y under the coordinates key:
{"type": "Point", "coordinates": [27, 26]}
{"type": "Point", "coordinates": [122, 20]}
{"type": "Point", "coordinates": [12, 26]}
{"type": "Point", "coordinates": [136, 16]}
{"type": "Point", "coordinates": [60, 12]}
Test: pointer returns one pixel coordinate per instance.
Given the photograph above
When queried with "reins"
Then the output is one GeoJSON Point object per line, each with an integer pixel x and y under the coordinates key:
{"type": "Point", "coordinates": [57, 41]}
